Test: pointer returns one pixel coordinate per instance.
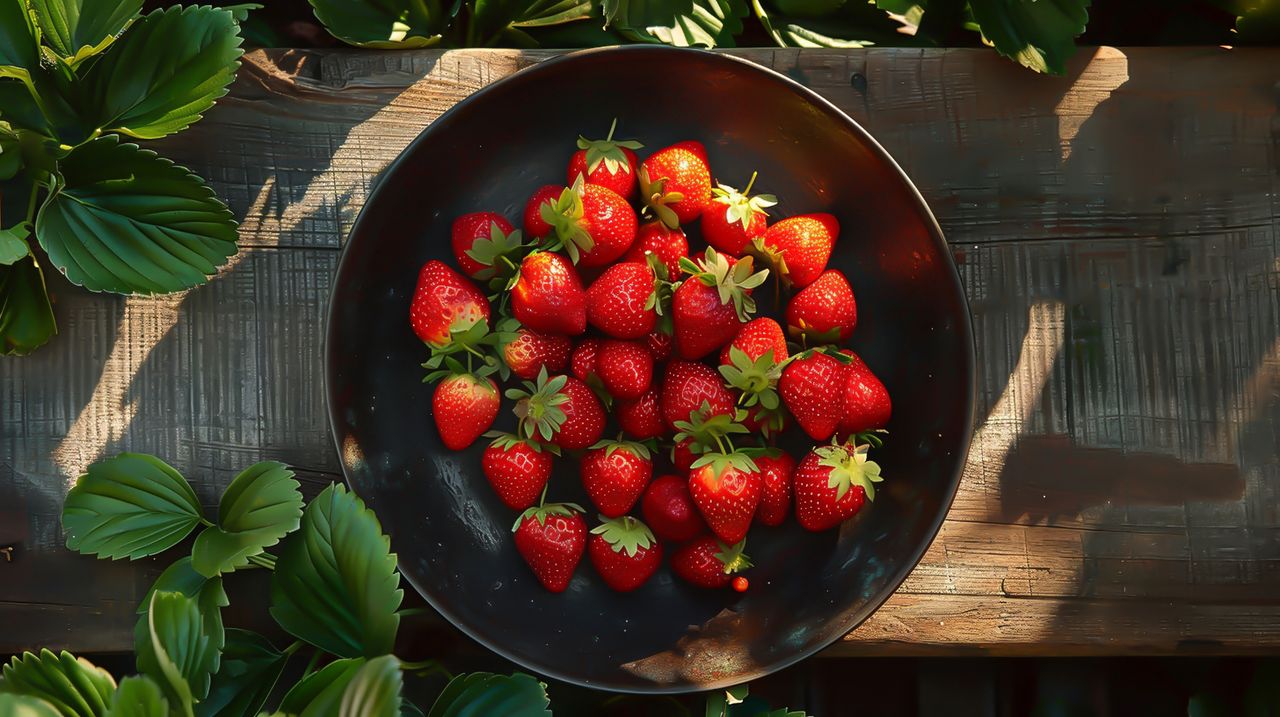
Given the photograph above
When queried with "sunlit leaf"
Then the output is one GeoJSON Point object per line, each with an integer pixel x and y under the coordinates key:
{"type": "Point", "coordinates": [484, 693]}
{"type": "Point", "coordinates": [138, 696]}
{"type": "Point", "coordinates": [73, 686]}
{"type": "Point", "coordinates": [851, 25]}
{"type": "Point", "coordinates": [18, 47]}
{"type": "Point", "coordinates": [178, 652]}
{"type": "Point", "coordinates": [129, 506]}
{"type": "Point", "coordinates": [374, 691]}
{"type": "Point", "coordinates": [260, 506]}
{"type": "Point", "coordinates": [384, 24]}
{"type": "Point", "coordinates": [79, 29]}
{"type": "Point", "coordinates": [26, 706]}
{"type": "Point", "coordinates": [1038, 34]}
{"type": "Point", "coordinates": [683, 23]}
{"type": "Point", "coordinates": [320, 693]}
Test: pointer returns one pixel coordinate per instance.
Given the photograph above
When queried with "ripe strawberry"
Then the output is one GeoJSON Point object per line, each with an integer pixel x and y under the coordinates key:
{"type": "Point", "coordinates": [823, 312]}
{"type": "Point", "coordinates": [776, 468]}
{"type": "Point", "coordinates": [625, 368]}
{"type": "Point", "coordinates": [593, 224]}
{"type": "Point", "coordinates": [682, 454]}
{"type": "Point", "coordinates": [726, 488]}
{"type": "Point", "coordinates": [687, 386]}
{"type": "Point", "coordinates": [582, 362]}
{"type": "Point", "coordinates": [732, 218]}
{"type": "Point", "coordinates": [812, 386]}
{"type": "Point", "coordinates": [534, 225]}
{"type": "Point", "coordinates": [622, 302]}
{"type": "Point", "coordinates": [668, 245]}
{"type": "Point", "coordinates": [606, 162]}
{"type": "Point", "coordinates": [755, 338]}
{"type": "Point", "coordinates": [668, 509]}
{"type": "Point", "coordinates": [624, 552]}
{"type": "Point", "coordinates": [661, 345]}
{"type": "Point", "coordinates": [484, 244]}
{"type": "Point", "coordinates": [560, 410]}
{"type": "Point", "coordinates": [641, 418]}
{"type": "Point", "coordinates": [517, 469]}
{"type": "Point", "coordinates": [710, 306]}
{"type": "Point", "coordinates": [831, 483]}
{"type": "Point", "coordinates": [445, 303]}
{"type": "Point", "coordinates": [464, 406]}
{"type": "Point", "coordinates": [866, 400]}
{"type": "Point", "coordinates": [548, 297]}
{"type": "Point", "coordinates": [708, 563]}
{"type": "Point", "coordinates": [675, 183]}
{"type": "Point", "coordinates": [798, 247]}
{"type": "Point", "coordinates": [551, 539]}
{"type": "Point", "coordinates": [615, 474]}
{"type": "Point", "coordinates": [529, 352]}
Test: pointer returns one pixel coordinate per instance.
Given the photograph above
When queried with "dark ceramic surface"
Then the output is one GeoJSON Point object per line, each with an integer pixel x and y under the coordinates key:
{"type": "Point", "coordinates": [450, 531]}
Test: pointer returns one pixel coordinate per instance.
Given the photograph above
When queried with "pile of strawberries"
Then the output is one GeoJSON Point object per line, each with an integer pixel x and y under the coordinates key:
{"type": "Point", "coordinates": [667, 345]}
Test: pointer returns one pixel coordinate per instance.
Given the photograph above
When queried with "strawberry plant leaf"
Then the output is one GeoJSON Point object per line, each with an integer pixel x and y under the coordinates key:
{"type": "Point", "coordinates": [484, 693]}
{"type": "Point", "coordinates": [164, 73]}
{"type": "Point", "coordinates": [80, 29]}
{"type": "Point", "coordinates": [374, 690]}
{"type": "Point", "coordinates": [179, 645]}
{"type": "Point", "coordinates": [1038, 35]}
{"type": "Point", "coordinates": [26, 706]}
{"type": "Point", "coordinates": [126, 220]}
{"type": "Point", "coordinates": [250, 668]}
{"type": "Point", "coordinates": [129, 506]}
{"type": "Point", "coordinates": [321, 692]}
{"type": "Point", "coordinates": [335, 584]}
{"type": "Point", "coordinates": [13, 244]}
{"type": "Point", "coordinates": [179, 577]}
{"type": "Point", "coordinates": [138, 696]}
{"type": "Point", "coordinates": [383, 24]}
{"type": "Point", "coordinates": [262, 505]}
{"type": "Point", "coordinates": [494, 19]}
{"type": "Point", "coordinates": [72, 686]}
{"type": "Point", "coordinates": [18, 45]}
{"type": "Point", "coordinates": [682, 23]}
{"type": "Point", "coordinates": [851, 25]}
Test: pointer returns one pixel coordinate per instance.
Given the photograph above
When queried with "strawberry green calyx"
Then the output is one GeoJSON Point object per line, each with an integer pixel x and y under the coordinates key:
{"type": "Point", "coordinates": [757, 380]}
{"type": "Point", "coordinates": [507, 441]}
{"type": "Point", "coordinates": [538, 406]}
{"type": "Point", "coordinates": [741, 206]}
{"type": "Point", "coordinates": [635, 448]}
{"type": "Point", "coordinates": [474, 343]}
{"type": "Point", "coordinates": [654, 194]}
{"type": "Point", "coordinates": [608, 151]}
{"type": "Point", "coordinates": [625, 534]}
{"type": "Point", "coordinates": [849, 467]}
{"type": "Point", "coordinates": [540, 513]}
{"type": "Point", "coordinates": [721, 462]}
{"type": "Point", "coordinates": [771, 258]}
{"type": "Point", "coordinates": [733, 558]}
{"type": "Point", "coordinates": [663, 291]}
{"type": "Point", "coordinates": [708, 434]}
{"type": "Point", "coordinates": [871, 438]}
{"type": "Point", "coordinates": [806, 334]}
{"type": "Point", "coordinates": [565, 218]}
{"type": "Point", "coordinates": [730, 282]}
{"type": "Point", "coordinates": [500, 254]}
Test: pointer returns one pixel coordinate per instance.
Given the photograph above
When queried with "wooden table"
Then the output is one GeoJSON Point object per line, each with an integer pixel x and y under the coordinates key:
{"type": "Point", "coordinates": [1116, 230]}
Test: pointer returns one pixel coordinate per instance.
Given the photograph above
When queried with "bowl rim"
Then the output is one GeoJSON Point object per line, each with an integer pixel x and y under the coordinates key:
{"type": "Point", "coordinates": [891, 586]}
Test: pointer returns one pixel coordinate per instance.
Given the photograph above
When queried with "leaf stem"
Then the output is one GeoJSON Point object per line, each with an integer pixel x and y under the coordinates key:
{"type": "Point", "coordinates": [311, 664]}
{"type": "Point", "coordinates": [205, 522]}
{"type": "Point", "coordinates": [411, 611]}
{"type": "Point", "coordinates": [263, 560]}
{"type": "Point", "coordinates": [297, 644]}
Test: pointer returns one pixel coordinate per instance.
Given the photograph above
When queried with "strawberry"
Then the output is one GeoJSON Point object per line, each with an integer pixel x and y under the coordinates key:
{"type": "Point", "coordinates": [757, 377]}
{"type": "Point", "coordinates": [582, 362]}
{"type": "Point", "coordinates": [866, 400]}
{"type": "Point", "coordinates": [711, 305]}
{"type": "Point", "coordinates": [615, 474]}
{"type": "Point", "coordinates": [529, 352]}
{"type": "Point", "coordinates": [606, 162]}
{"type": "Point", "coordinates": [593, 224]}
{"type": "Point", "coordinates": [534, 225]}
{"type": "Point", "coordinates": [642, 417]}
{"type": "Point", "coordinates": [622, 302]}
{"type": "Point", "coordinates": [668, 509]}
{"type": "Point", "coordinates": [756, 337]}
{"type": "Point", "coordinates": [732, 218]}
{"type": "Point", "coordinates": [485, 244]}
{"type": "Point", "coordinates": [709, 563]}
{"type": "Point", "coordinates": [551, 539]}
{"type": "Point", "coordinates": [687, 386]}
{"type": "Point", "coordinates": [464, 406]}
{"type": "Point", "coordinates": [517, 469]}
{"type": "Point", "coordinates": [675, 183]}
{"type": "Point", "coordinates": [445, 303]}
{"type": "Point", "coordinates": [560, 410]}
{"type": "Point", "coordinates": [823, 312]}
{"type": "Point", "coordinates": [776, 468]}
{"type": "Point", "coordinates": [548, 297]}
{"type": "Point", "coordinates": [661, 345]}
{"type": "Point", "coordinates": [625, 368]}
{"type": "Point", "coordinates": [798, 248]}
{"type": "Point", "coordinates": [831, 484]}
{"type": "Point", "coordinates": [683, 455]}
{"type": "Point", "coordinates": [726, 488]}
{"type": "Point", "coordinates": [668, 245]}
{"type": "Point", "coordinates": [624, 552]}
{"type": "Point", "coordinates": [812, 386]}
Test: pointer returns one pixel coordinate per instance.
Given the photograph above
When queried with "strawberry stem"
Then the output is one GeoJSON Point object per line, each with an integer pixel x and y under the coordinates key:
{"type": "Point", "coordinates": [612, 126]}
{"type": "Point", "coordinates": [753, 181]}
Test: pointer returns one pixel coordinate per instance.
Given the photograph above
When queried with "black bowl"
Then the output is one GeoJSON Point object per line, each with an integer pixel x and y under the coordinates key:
{"type": "Point", "coordinates": [453, 535]}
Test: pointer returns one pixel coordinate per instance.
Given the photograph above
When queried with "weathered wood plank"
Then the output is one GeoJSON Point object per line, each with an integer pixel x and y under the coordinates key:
{"type": "Point", "coordinates": [1115, 229]}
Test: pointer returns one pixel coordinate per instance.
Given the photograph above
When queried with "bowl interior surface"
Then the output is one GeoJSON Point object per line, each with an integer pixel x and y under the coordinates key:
{"type": "Point", "coordinates": [452, 534]}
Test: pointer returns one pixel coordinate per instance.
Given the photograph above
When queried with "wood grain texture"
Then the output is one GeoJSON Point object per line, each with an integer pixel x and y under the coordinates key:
{"type": "Point", "coordinates": [1116, 230]}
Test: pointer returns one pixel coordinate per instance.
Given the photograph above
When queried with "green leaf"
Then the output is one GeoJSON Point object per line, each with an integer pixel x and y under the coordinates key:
{"type": "Point", "coordinates": [10, 152]}
{"type": "Point", "coordinates": [335, 584]}
{"type": "Point", "coordinates": [25, 706]}
{"type": "Point", "coordinates": [138, 696]}
{"type": "Point", "coordinates": [74, 686]}
{"type": "Point", "coordinates": [683, 23]}
{"type": "Point", "coordinates": [1038, 34]}
{"type": "Point", "coordinates": [18, 45]}
{"type": "Point", "coordinates": [79, 29]}
{"type": "Point", "coordinates": [178, 652]}
{"type": "Point", "coordinates": [250, 668]}
{"type": "Point", "coordinates": [179, 577]}
{"type": "Point", "coordinates": [484, 693]}
{"type": "Point", "coordinates": [374, 691]}
{"type": "Point", "coordinates": [320, 693]}
{"type": "Point", "coordinates": [26, 317]}
{"type": "Point", "coordinates": [261, 506]}
{"type": "Point", "coordinates": [132, 505]}
{"type": "Point", "coordinates": [164, 73]}
{"type": "Point", "coordinates": [13, 243]}
{"type": "Point", "coordinates": [383, 24]}
{"type": "Point", "coordinates": [210, 598]}
{"type": "Point", "coordinates": [853, 24]}
{"type": "Point", "coordinates": [493, 17]}
{"type": "Point", "coordinates": [126, 220]}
